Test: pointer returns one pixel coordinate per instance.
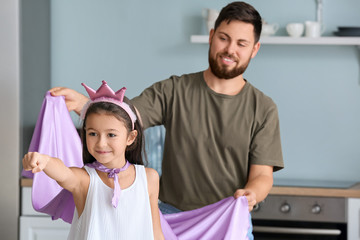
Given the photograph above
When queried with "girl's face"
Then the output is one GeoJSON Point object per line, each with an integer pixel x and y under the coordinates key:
{"type": "Point", "coordinates": [107, 139]}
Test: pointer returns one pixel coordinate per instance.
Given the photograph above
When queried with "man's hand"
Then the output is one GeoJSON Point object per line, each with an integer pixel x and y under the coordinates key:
{"type": "Point", "coordinates": [34, 161]}
{"type": "Point", "coordinates": [259, 184]}
{"type": "Point", "coordinates": [73, 99]}
{"type": "Point", "coordinates": [250, 196]}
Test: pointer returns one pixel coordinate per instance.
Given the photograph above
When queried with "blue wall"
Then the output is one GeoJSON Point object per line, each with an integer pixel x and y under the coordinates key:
{"type": "Point", "coordinates": [137, 42]}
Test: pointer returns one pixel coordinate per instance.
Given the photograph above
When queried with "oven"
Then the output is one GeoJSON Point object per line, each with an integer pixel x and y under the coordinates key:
{"type": "Point", "coordinates": [297, 217]}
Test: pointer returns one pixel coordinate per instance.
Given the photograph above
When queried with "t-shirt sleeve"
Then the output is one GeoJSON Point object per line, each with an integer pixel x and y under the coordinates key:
{"type": "Point", "coordinates": [265, 147]}
{"type": "Point", "coordinates": [153, 103]}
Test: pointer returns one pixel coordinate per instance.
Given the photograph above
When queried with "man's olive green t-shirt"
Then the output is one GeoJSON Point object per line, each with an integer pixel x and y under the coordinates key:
{"type": "Point", "coordinates": [211, 139]}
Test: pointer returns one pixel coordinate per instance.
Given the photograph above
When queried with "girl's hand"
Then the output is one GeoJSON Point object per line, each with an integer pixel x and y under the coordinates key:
{"type": "Point", "coordinates": [34, 161]}
{"type": "Point", "coordinates": [73, 99]}
{"type": "Point", "coordinates": [75, 180]}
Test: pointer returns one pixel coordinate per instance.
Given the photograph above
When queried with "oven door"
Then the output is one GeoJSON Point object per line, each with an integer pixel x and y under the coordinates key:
{"type": "Point", "coordinates": [289, 230]}
{"type": "Point", "coordinates": [300, 217]}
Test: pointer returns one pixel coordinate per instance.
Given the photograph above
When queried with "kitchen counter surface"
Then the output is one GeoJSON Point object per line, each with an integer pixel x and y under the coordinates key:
{"type": "Point", "coordinates": [351, 192]}
{"type": "Point", "coordinates": [26, 182]}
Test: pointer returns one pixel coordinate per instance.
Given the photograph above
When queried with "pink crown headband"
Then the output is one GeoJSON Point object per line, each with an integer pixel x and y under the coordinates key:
{"type": "Point", "coordinates": [106, 94]}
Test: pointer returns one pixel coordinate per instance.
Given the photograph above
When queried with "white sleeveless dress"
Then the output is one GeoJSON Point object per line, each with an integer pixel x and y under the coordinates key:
{"type": "Point", "coordinates": [100, 220]}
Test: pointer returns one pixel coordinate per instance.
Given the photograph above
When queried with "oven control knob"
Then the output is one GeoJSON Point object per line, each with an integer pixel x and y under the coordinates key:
{"type": "Point", "coordinates": [256, 207]}
{"type": "Point", "coordinates": [316, 209]}
{"type": "Point", "coordinates": [285, 208]}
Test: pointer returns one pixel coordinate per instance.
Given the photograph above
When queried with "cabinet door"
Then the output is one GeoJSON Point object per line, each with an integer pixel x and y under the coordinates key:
{"type": "Point", "coordinates": [43, 228]}
{"type": "Point", "coordinates": [26, 204]}
{"type": "Point", "coordinates": [354, 218]}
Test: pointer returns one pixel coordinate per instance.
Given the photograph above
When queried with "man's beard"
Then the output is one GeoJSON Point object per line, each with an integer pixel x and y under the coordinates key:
{"type": "Point", "coordinates": [222, 72]}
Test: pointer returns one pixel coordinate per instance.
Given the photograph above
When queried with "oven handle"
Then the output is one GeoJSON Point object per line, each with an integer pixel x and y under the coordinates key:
{"type": "Point", "coordinates": [285, 230]}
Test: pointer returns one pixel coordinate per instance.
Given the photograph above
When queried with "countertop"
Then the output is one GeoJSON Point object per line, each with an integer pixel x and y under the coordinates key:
{"type": "Point", "coordinates": [351, 192]}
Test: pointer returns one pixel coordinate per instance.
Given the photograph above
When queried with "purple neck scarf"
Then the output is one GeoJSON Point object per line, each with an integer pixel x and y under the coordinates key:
{"type": "Point", "coordinates": [112, 173]}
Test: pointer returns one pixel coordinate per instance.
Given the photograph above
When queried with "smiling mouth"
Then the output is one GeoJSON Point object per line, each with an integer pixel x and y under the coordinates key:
{"type": "Point", "coordinates": [102, 152]}
{"type": "Point", "coordinates": [227, 59]}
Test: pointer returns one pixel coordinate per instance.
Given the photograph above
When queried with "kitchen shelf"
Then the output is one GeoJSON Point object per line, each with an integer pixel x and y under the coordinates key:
{"type": "Point", "coordinates": [283, 40]}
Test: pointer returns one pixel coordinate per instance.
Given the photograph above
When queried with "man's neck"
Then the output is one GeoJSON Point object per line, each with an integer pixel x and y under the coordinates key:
{"type": "Point", "coordinates": [224, 86]}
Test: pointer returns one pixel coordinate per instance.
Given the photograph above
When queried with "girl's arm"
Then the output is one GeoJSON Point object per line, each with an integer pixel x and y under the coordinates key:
{"type": "Point", "coordinates": [54, 168]}
{"type": "Point", "coordinates": [153, 189]}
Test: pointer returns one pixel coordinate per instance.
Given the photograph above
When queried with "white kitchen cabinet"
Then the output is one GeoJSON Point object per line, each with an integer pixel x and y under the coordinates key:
{"type": "Point", "coordinates": [354, 218]}
{"type": "Point", "coordinates": [42, 228]}
{"type": "Point", "coordinates": [39, 226]}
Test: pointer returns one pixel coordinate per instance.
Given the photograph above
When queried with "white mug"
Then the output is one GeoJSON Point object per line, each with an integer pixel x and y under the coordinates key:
{"type": "Point", "coordinates": [314, 29]}
{"type": "Point", "coordinates": [210, 16]}
{"type": "Point", "coordinates": [269, 29]}
{"type": "Point", "coordinates": [295, 29]}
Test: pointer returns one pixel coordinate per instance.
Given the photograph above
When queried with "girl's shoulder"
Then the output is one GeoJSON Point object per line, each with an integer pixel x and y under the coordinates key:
{"type": "Point", "coordinates": [152, 181]}
{"type": "Point", "coordinates": [82, 175]}
{"type": "Point", "coordinates": [151, 174]}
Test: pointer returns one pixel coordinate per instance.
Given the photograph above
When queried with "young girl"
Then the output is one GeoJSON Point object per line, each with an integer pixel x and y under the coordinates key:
{"type": "Point", "coordinates": [115, 196]}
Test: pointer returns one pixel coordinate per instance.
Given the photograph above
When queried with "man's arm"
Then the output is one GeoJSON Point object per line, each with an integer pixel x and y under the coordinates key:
{"type": "Point", "coordinates": [259, 184]}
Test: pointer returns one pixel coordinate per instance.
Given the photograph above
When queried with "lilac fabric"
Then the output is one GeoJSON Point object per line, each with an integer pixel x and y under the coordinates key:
{"type": "Point", "coordinates": [56, 136]}
{"type": "Point", "coordinates": [226, 219]}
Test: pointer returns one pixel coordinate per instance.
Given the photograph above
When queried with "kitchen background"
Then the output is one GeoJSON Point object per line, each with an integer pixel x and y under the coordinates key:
{"type": "Point", "coordinates": [136, 43]}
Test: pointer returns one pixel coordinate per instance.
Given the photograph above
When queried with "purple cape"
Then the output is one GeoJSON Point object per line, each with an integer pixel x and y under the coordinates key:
{"type": "Point", "coordinates": [56, 135]}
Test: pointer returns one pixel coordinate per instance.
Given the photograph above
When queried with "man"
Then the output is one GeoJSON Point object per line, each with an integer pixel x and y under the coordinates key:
{"type": "Point", "coordinates": [222, 134]}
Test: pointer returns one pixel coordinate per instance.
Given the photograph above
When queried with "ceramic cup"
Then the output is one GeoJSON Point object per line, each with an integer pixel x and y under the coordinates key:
{"type": "Point", "coordinates": [269, 29]}
{"type": "Point", "coordinates": [314, 29]}
{"type": "Point", "coordinates": [295, 29]}
{"type": "Point", "coordinates": [210, 16]}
